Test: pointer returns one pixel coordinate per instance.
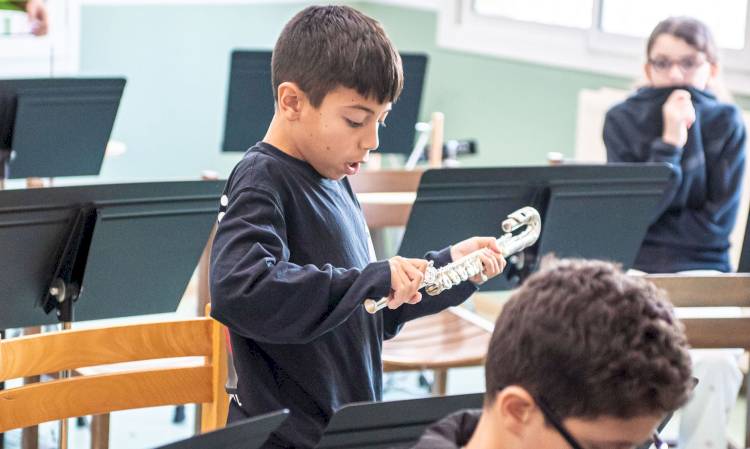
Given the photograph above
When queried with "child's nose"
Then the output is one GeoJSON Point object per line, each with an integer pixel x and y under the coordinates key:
{"type": "Point", "coordinates": [675, 73]}
{"type": "Point", "coordinates": [371, 141]}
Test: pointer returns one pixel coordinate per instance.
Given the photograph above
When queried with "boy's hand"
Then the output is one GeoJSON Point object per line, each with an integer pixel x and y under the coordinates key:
{"type": "Point", "coordinates": [492, 259]}
{"type": "Point", "coordinates": [406, 276]}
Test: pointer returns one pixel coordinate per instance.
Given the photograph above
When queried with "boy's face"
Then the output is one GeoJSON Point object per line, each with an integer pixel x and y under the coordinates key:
{"type": "Point", "coordinates": [337, 137]}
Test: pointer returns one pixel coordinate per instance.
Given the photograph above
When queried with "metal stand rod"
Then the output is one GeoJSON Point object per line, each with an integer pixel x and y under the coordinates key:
{"type": "Point", "coordinates": [66, 325]}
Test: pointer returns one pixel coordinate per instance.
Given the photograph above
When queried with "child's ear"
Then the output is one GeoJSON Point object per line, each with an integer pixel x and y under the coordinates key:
{"type": "Point", "coordinates": [647, 72]}
{"type": "Point", "coordinates": [291, 100]}
{"type": "Point", "coordinates": [515, 406]}
{"type": "Point", "coordinates": [715, 71]}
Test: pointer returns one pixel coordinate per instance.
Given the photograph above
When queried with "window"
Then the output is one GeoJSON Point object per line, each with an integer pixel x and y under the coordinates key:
{"type": "Point", "coordinates": [569, 13]}
{"type": "Point", "coordinates": [726, 18]}
{"type": "Point", "coordinates": [604, 36]}
{"type": "Point", "coordinates": [23, 54]}
{"type": "Point", "coordinates": [13, 23]}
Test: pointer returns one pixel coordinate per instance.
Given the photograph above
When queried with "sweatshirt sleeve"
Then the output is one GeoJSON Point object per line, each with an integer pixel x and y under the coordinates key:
{"type": "Point", "coordinates": [393, 320]}
{"type": "Point", "coordinates": [258, 293]}
{"type": "Point", "coordinates": [621, 138]}
{"type": "Point", "coordinates": [725, 180]}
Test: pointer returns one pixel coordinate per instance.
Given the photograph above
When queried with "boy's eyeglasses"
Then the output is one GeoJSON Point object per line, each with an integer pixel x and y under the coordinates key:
{"type": "Point", "coordinates": [687, 65]}
{"type": "Point", "coordinates": [656, 442]}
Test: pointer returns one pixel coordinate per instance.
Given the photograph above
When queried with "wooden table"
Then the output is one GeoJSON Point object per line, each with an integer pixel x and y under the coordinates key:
{"type": "Point", "coordinates": [384, 209]}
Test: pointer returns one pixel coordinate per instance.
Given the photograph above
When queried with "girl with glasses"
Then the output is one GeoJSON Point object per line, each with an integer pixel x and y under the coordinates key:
{"type": "Point", "coordinates": [679, 118]}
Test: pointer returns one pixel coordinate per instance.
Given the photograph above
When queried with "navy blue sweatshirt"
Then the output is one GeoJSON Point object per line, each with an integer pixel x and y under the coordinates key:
{"type": "Point", "coordinates": [700, 205]}
{"type": "Point", "coordinates": [291, 265]}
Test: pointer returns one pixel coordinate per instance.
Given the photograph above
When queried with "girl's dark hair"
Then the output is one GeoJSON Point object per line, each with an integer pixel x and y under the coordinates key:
{"type": "Point", "coordinates": [690, 30]}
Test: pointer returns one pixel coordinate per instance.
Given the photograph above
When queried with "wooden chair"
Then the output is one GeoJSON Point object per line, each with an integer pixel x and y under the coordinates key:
{"type": "Point", "coordinates": [453, 338]}
{"type": "Point", "coordinates": [197, 379]}
{"type": "Point", "coordinates": [720, 290]}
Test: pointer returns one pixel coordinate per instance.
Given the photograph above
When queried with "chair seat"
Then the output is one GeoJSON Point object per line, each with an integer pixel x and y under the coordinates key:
{"type": "Point", "coordinates": [450, 339]}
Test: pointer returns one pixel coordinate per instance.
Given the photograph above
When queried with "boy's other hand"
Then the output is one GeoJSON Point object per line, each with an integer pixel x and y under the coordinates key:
{"type": "Point", "coordinates": [406, 277]}
{"type": "Point", "coordinates": [493, 262]}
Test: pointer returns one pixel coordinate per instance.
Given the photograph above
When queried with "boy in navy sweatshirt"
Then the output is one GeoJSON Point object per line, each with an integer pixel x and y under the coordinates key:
{"type": "Point", "coordinates": [292, 260]}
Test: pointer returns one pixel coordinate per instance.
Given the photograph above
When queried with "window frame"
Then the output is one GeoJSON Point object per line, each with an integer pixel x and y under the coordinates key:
{"type": "Point", "coordinates": [55, 54]}
{"type": "Point", "coordinates": [460, 27]}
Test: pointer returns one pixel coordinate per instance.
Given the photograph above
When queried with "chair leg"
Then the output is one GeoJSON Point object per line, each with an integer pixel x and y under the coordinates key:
{"type": "Point", "coordinates": [747, 410]}
{"type": "Point", "coordinates": [179, 414]}
{"type": "Point", "coordinates": [440, 383]}
{"type": "Point", "coordinates": [197, 424]}
{"type": "Point", "coordinates": [30, 435]}
{"type": "Point", "coordinates": [30, 438]}
{"type": "Point", "coordinates": [100, 431]}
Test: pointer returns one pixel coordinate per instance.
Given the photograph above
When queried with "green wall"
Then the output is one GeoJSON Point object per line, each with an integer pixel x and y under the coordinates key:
{"type": "Point", "coordinates": [176, 61]}
{"type": "Point", "coordinates": [176, 57]}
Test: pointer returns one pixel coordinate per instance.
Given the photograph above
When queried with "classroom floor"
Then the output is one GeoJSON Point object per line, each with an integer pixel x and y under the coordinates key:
{"type": "Point", "coordinates": [148, 428]}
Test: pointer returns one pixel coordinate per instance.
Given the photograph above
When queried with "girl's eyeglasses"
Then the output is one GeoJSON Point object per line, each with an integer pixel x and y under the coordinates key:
{"type": "Point", "coordinates": [686, 65]}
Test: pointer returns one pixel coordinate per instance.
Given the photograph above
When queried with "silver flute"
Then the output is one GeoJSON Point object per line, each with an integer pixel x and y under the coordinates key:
{"type": "Point", "coordinates": [437, 280]}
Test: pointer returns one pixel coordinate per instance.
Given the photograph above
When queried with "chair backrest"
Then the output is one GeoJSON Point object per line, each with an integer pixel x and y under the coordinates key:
{"type": "Point", "coordinates": [593, 106]}
{"type": "Point", "coordinates": [134, 383]}
{"type": "Point", "coordinates": [720, 322]}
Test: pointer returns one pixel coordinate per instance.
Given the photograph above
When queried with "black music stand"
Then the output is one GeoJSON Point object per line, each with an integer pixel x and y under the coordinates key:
{"type": "Point", "coordinates": [246, 434]}
{"type": "Point", "coordinates": [51, 127]}
{"type": "Point", "coordinates": [391, 424]}
{"type": "Point", "coordinates": [112, 250]}
{"type": "Point", "coordinates": [598, 211]}
{"type": "Point", "coordinates": [250, 104]}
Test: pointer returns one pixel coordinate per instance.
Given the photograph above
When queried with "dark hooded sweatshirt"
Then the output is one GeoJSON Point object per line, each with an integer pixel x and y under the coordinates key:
{"type": "Point", "coordinates": [291, 265]}
{"type": "Point", "coordinates": [452, 432]}
{"type": "Point", "coordinates": [700, 205]}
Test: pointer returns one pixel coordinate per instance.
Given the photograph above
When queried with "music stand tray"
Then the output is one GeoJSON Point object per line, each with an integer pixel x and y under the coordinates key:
{"type": "Point", "coordinates": [596, 211]}
{"type": "Point", "coordinates": [246, 434]}
{"type": "Point", "coordinates": [57, 126]}
{"type": "Point", "coordinates": [118, 249]}
{"type": "Point", "coordinates": [391, 424]}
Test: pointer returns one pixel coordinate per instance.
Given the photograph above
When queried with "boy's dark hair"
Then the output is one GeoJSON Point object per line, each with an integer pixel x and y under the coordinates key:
{"type": "Point", "coordinates": [324, 47]}
{"type": "Point", "coordinates": [690, 30]}
{"type": "Point", "coordinates": [591, 341]}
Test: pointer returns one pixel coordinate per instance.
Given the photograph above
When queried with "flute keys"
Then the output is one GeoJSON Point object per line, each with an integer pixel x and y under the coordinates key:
{"type": "Point", "coordinates": [430, 274]}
